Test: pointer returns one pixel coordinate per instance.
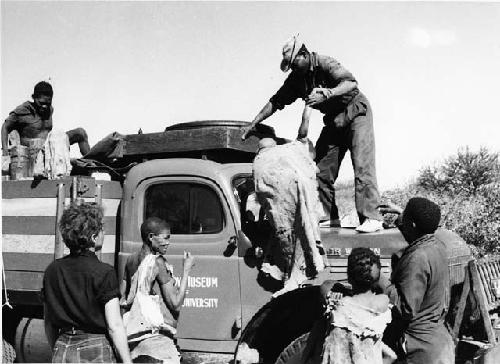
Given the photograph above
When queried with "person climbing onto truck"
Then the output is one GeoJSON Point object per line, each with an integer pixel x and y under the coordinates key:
{"type": "Point", "coordinates": [81, 295]}
{"type": "Point", "coordinates": [418, 289]}
{"type": "Point", "coordinates": [150, 322]}
{"type": "Point", "coordinates": [33, 120]}
{"type": "Point", "coordinates": [324, 84]}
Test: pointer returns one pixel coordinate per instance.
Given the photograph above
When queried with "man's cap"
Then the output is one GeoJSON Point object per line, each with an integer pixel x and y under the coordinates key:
{"type": "Point", "coordinates": [290, 51]}
{"type": "Point", "coordinates": [43, 88]}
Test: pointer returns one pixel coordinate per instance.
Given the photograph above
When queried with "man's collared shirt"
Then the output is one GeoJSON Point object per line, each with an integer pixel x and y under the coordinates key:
{"type": "Point", "coordinates": [324, 72]}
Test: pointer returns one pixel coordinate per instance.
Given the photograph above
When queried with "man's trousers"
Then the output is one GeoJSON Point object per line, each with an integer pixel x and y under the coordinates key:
{"type": "Point", "coordinates": [334, 141]}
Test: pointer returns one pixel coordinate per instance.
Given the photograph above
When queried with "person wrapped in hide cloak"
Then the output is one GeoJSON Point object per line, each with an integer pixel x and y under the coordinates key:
{"type": "Point", "coordinates": [286, 188]}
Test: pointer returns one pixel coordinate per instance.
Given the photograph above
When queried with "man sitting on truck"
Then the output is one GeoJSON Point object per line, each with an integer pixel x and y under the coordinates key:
{"type": "Point", "coordinates": [151, 322]}
{"type": "Point", "coordinates": [420, 281]}
{"type": "Point", "coordinates": [33, 120]}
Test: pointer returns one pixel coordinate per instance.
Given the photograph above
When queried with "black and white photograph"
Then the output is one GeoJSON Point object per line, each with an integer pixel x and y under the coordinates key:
{"type": "Point", "coordinates": [250, 182]}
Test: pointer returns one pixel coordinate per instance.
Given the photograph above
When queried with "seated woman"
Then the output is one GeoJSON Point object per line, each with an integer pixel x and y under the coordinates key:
{"type": "Point", "coordinates": [80, 295]}
{"type": "Point", "coordinates": [358, 321]}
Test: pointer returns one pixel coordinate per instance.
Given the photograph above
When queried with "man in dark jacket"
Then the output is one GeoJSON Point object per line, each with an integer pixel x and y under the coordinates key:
{"type": "Point", "coordinates": [324, 84]}
{"type": "Point", "coordinates": [420, 281]}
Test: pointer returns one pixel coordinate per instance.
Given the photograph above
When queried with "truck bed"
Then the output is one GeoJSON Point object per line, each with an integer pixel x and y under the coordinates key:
{"type": "Point", "coordinates": [29, 227]}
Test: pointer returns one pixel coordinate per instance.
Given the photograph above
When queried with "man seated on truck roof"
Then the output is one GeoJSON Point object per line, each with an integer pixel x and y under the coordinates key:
{"type": "Point", "coordinates": [420, 281]}
{"type": "Point", "coordinates": [33, 120]}
{"type": "Point", "coordinates": [151, 322]}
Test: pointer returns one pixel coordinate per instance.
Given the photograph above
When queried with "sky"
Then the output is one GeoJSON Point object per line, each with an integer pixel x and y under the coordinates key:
{"type": "Point", "coordinates": [429, 69]}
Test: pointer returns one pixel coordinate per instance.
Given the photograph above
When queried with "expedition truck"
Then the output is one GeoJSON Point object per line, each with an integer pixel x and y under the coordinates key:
{"type": "Point", "coordinates": [197, 176]}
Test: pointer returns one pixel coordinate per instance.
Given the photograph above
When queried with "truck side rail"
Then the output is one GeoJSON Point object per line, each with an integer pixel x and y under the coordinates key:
{"type": "Point", "coordinates": [482, 284]}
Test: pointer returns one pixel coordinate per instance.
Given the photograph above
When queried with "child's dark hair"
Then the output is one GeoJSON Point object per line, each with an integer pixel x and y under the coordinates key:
{"type": "Point", "coordinates": [359, 269]}
{"type": "Point", "coordinates": [153, 225]}
{"type": "Point", "coordinates": [43, 89]}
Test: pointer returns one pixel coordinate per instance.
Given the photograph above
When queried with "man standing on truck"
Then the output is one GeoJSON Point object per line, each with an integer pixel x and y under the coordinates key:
{"type": "Point", "coordinates": [151, 324]}
{"type": "Point", "coordinates": [33, 120]}
{"type": "Point", "coordinates": [324, 84]}
{"type": "Point", "coordinates": [420, 281]}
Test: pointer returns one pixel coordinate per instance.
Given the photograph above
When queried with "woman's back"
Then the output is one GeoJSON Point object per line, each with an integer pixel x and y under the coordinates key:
{"type": "Point", "coordinates": [357, 325]}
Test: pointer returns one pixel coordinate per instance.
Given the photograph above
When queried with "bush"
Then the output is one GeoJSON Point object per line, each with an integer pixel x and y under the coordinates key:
{"type": "Point", "coordinates": [461, 173]}
{"type": "Point", "coordinates": [467, 188]}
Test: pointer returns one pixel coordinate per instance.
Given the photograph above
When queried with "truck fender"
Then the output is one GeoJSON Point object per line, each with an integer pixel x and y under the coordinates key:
{"type": "Point", "coordinates": [281, 321]}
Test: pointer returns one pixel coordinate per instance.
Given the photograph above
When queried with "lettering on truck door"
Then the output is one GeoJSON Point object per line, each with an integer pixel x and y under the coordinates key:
{"type": "Point", "coordinates": [201, 223]}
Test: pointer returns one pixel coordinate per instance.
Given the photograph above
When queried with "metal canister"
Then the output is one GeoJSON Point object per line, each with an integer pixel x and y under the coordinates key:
{"type": "Point", "coordinates": [19, 162]}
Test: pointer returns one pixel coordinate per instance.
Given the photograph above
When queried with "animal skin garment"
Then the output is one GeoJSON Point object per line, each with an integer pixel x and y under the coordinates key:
{"type": "Point", "coordinates": [286, 187]}
{"type": "Point", "coordinates": [57, 160]}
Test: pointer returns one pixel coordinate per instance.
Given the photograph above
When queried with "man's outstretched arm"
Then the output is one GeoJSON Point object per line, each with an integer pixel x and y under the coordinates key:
{"type": "Point", "coordinates": [263, 114]}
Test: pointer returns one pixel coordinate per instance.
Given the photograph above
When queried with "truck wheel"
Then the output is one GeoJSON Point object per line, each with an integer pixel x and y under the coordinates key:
{"type": "Point", "coordinates": [295, 352]}
{"type": "Point", "coordinates": [282, 320]}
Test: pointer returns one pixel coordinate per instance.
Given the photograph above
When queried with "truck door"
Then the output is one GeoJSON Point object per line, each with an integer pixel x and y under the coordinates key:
{"type": "Point", "coordinates": [201, 223]}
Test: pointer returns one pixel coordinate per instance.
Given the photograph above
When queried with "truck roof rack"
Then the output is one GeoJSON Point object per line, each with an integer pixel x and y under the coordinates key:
{"type": "Point", "coordinates": [216, 140]}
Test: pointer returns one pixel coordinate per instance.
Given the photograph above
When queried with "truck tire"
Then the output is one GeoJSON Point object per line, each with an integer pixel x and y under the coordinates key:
{"type": "Point", "coordinates": [306, 349]}
{"type": "Point", "coordinates": [281, 321]}
{"type": "Point", "coordinates": [31, 343]}
{"type": "Point", "coordinates": [292, 354]}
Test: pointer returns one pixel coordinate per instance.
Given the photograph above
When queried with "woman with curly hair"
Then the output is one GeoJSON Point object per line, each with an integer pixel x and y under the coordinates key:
{"type": "Point", "coordinates": [80, 294]}
{"type": "Point", "coordinates": [357, 322]}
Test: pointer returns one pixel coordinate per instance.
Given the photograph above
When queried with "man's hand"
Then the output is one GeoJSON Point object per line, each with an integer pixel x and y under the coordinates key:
{"type": "Point", "coordinates": [245, 130]}
{"type": "Point", "coordinates": [317, 96]}
{"type": "Point", "coordinates": [390, 208]}
{"type": "Point", "coordinates": [188, 262]}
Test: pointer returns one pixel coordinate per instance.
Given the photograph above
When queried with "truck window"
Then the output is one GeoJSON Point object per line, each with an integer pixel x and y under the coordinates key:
{"type": "Point", "coordinates": [189, 208]}
{"type": "Point", "coordinates": [243, 186]}
{"type": "Point", "coordinates": [254, 224]}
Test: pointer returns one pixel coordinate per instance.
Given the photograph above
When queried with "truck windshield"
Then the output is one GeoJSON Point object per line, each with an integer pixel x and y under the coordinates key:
{"type": "Point", "coordinates": [189, 208]}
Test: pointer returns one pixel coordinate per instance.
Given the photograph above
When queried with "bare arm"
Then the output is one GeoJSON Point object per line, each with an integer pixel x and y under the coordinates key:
{"type": "Point", "coordinates": [116, 329]}
{"type": "Point", "coordinates": [7, 127]}
{"type": "Point", "coordinates": [123, 296]}
{"type": "Point", "coordinates": [123, 288]}
{"type": "Point", "coordinates": [50, 329]}
{"type": "Point", "coordinates": [341, 89]}
{"type": "Point", "coordinates": [174, 296]}
{"type": "Point", "coordinates": [263, 114]}
{"type": "Point", "coordinates": [304, 126]}
{"type": "Point", "coordinates": [321, 94]}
